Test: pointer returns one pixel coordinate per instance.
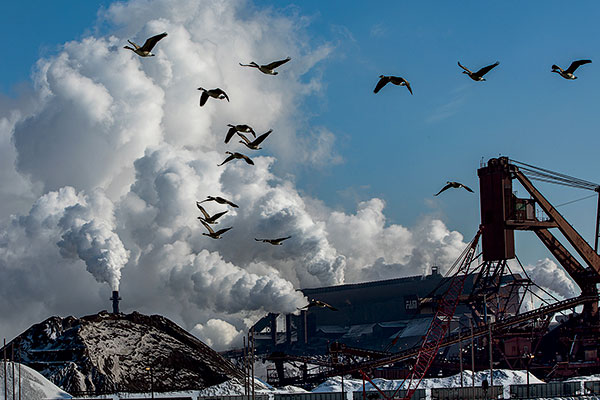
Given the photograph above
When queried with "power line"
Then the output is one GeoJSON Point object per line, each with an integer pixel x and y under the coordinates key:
{"type": "Point", "coordinates": [546, 175]}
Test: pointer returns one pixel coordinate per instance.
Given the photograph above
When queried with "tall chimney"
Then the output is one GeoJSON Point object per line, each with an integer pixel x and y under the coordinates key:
{"type": "Point", "coordinates": [115, 300]}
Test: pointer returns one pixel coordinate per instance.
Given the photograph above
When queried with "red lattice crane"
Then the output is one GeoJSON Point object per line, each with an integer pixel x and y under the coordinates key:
{"type": "Point", "coordinates": [441, 321]}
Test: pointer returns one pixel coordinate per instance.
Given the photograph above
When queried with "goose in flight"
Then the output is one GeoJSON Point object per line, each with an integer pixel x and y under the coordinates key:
{"type": "Point", "coordinates": [254, 145]}
{"type": "Point", "coordinates": [396, 80]}
{"type": "Point", "coordinates": [478, 76]}
{"type": "Point", "coordinates": [213, 234]}
{"type": "Point", "coordinates": [145, 50]}
{"type": "Point", "coordinates": [233, 156]}
{"type": "Point", "coordinates": [238, 128]}
{"type": "Point", "coordinates": [275, 242]}
{"type": "Point", "coordinates": [318, 303]}
{"type": "Point", "coordinates": [454, 185]}
{"type": "Point", "coordinates": [267, 68]}
{"type": "Point", "coordinates": [207, 218]}
{"type": "Point", "coordinates": [219, 200]}
{"type": "Point", "coordinates": [214, 93]}
{"type": "Point", "coordinates": [568, 73]}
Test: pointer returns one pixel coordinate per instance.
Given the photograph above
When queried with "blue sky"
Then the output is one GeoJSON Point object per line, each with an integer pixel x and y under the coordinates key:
{"type": "Point", "coordinates": [396, 146]}
{"type": "Point", "coordinates": [391, 145]}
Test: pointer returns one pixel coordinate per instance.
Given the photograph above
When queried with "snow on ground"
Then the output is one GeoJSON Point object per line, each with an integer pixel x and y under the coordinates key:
{"type": "Point", "coordinates": [33, 385]}
{"type": "Point", "coordinates": [501, 377]}
{"type": "Point", "coordinates": [36, 387]}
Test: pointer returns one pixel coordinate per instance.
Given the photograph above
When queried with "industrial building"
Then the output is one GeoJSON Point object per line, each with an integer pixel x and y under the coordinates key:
{"type": "Point", "coordinates": [427, 325]}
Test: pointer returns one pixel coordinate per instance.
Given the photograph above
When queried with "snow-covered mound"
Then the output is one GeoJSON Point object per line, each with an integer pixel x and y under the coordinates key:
{"type": "Point", "coordinates": [33, 385]}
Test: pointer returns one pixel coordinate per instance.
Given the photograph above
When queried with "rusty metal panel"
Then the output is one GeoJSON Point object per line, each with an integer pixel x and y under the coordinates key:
{"type": "Point", "coordinates": [497, 205]}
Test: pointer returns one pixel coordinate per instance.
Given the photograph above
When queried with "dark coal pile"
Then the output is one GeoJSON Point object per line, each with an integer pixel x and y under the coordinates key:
{"type": "Point", "coordinates": [115, 352]}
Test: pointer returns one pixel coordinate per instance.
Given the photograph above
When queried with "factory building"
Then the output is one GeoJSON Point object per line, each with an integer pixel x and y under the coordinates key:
{"type": "Point", "coordinates": [387, 315]}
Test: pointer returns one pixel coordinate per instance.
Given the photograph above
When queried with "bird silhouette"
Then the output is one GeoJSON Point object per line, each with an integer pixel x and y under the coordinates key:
{"type": "Point", "coordinates": [214, 93]}
{"type": "Point", "coordinates": [211, 233]}
{"type": "Point", "coordinates": [396, 80]}
{"type": "Point", "coordinates": [219, 200]}
{"type": "Point", "coordinates": [254, 145]}
{"type": "Point", "coordinates": [145, 50]}
{"type": "Point", "coordinates": [267, 68]}
{"type": "Point", "coordinates": [568, 73]}
{"type": "Point", "coordinates": [454, 185]}
{"type": "Point", "coordinates": [207, 217]}
{"type": "Point", "coordinates": [317, 303]}
{"type": "Point", "coordinates": [238, 128]}
{"type": "Point", "coordinates": [478, 76]}
{"type": "Point", "coordinates": [233, 156]}
{"type": "Point", "coordinates": [275, 242]}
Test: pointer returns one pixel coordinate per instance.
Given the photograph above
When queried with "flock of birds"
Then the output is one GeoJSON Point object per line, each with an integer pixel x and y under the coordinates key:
{"type": "Point", "coordinates": [269, 69]}
{"type": "Point", "coordinates": [217, 93]}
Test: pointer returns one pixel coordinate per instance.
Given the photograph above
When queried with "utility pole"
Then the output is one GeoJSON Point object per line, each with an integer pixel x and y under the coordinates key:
{"type": "Point", "coordinates": [151, 381]}
{"type": "Point", "coordinates": [253, 393]}
{"type": "Point", "coordinates": [472, 362]}
{"type": "Point", "coordinates": [460, 356]}
{"type": "Point", "coordinates": [19, 348]}
{"type": "Point", "coordinates": [4, 361]}
{"type": "Point", "coordinates": [245, 368]}
{"type": "Point", "coordinates": [491, 361]}
{"type": "Point", "coordinates": [12, 358]}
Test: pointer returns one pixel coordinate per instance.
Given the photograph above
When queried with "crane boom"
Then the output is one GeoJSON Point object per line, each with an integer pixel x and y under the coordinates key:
{"type": "Point", "coordinates": [441, 321]}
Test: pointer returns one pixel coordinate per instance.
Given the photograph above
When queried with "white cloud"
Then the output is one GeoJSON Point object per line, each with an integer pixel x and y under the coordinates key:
{"type": "Point", "coordinates": [116, 151]}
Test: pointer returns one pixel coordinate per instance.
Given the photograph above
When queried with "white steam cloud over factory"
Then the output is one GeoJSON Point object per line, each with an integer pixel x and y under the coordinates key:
{"type": "Point", "coordinates": [103, 161]}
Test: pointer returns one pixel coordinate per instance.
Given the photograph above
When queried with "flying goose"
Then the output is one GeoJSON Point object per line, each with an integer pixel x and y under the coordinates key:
{"type": "Point", "coordinates": [145, 50]}
{"type": "Point", "coordinates": [267, 68]}
{"type": "Point", "coordinates": [219, 200]}
{"type": "Point", "coordinates": [478, 76]}
{"type": "Point", "coordinates": [214, 93]}
{"type": "Point", "coordinates": [207, 218]}
{"type": "Point", "coordinates": [213, 234]}
{"type": "Point", "coordinates": [396, 80]}
{"type": "Point", "coordinates": [318, 303]}
{"type": "Point", "coordinates": [238, 128]}
{"type": "Point", "coordinates": [568, 73]}
{"type": "Point", "coordinates": [454, 185]}
{"type": "Point", "coordinates": [275, 242]}
{"type": "Point", "coordinates": [233, 156]}
{"type": "Point", "coordinates": [256, 142]}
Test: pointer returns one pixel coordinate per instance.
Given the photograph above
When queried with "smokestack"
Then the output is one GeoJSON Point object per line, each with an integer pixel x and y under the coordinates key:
{"type": "Point", "coordinates": [115, 300]}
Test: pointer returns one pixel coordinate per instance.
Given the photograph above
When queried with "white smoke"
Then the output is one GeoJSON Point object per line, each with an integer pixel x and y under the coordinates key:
{"type": "Point", "coordinates": [113, 151]}
{"type": "Point", "coordinates": [89, 234]}
{"type": "Point", "coordinates": [547, 274]}
{"type": "Point", "coordinates": [217, 333]}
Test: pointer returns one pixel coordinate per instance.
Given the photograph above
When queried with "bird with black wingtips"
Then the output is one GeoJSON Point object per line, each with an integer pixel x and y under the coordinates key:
{"type": "Point", "coordinates": [236, 155]}
{"type": "Point", "coordinates": [395, 80]}
{"type": "Point", "coordinates": [568, 73]}
{"type": "Point", "coordinates": [454, 185]}
{"type": "Point", "coordinates": [275, 242]}
{"type": "Point", "coordinates": [211, 233]}
{"type": "Point", "coordinates": [209, 219]}
{"type": "Point", "coordinates": [214, 93]}
{"type": "Point", "coordinates": [146, 49]}
{"type": "Point", "coordinates": [220, 200]}
{"type": "Point", "coordinates": [478, 76]}
{"type": "Point", "coordinates": [254, 145]}
{"type": "Point", "coordinates": [268, 69]}
{"type": "Point", "coordinates": [238, 128]}
{"type": "Point", "coordinates": [317, 303]}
